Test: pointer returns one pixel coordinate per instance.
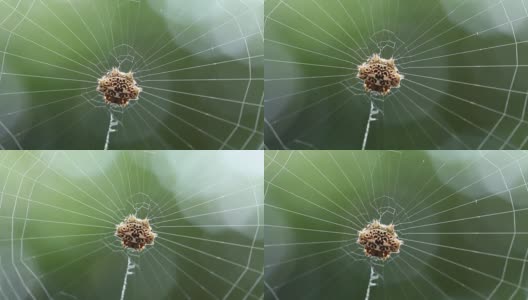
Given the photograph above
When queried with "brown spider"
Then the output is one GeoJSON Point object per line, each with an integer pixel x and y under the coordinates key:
{"type": "Point", "coordinates": [379, 75]}
{"type": "Point", "coordinates": [379, 240]}
{"type": "Point", "coordinates": [135, 233]}
{"type": "Point", "coordinates": [118, 88]}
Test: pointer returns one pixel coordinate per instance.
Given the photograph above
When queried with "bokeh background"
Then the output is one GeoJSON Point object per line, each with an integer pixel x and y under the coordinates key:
{"type": "Point", "coordinates": [58, 212]}
{"type": "Point", "coordinates": [461, 214]}
{"type": "Point", "coordinates": [200, 64]}
{"type": "Point", "coordinates": [464, 62]}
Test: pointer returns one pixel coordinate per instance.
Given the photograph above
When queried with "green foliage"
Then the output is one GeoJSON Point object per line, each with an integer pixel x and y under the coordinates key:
{"type": "Point", "coordinates": [462, 216]}
{"type": "Point", "coordinates": [199, 64]}
{"type": "Point", "coordinates": [59, 211]}
{"type": "Point", "coordinates": [464, 64]}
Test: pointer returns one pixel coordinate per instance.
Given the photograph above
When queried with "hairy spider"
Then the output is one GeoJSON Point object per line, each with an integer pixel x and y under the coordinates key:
{"type": "Point", "coordinates": [379, 75]}
{"type": "Point", "coordinates": [379, 240]}
{"type": "Point", "coordinates": [135, 233]}
{"type": "Point", "coordinates": [118, 88]}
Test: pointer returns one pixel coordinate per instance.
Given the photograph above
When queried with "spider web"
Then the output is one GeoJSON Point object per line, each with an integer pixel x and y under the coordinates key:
{"type": "Point", "coordinates": [58, 212]}
{"type": "Point", "coordinates": [461, 214]}
{"type": "Point", "coordinates": [464, 63]}
{"type": "Point", "coordinates": [199, 65]}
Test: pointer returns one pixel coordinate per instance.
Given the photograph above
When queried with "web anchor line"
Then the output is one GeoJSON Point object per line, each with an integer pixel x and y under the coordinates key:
{"type": "Point", "coordinates": [374, 111]}
{"type": "Point", "coordinates": [372, 281]}
{"type": "Point", "coordinates": [129, 271]}
{"type": "Point", "coordinates": [111, 129]}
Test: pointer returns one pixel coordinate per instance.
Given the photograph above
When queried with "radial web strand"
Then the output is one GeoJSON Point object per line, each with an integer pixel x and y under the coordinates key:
{"type": "Point", "coordinates": [59, 212]}
{"type": "Point", "coordinates": [461, 217]}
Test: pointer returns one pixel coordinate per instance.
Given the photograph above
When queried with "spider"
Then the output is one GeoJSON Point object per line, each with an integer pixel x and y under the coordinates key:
{"type": "Point", "coordinates": [379, 240]}
{"type": "Point", "coordinates": [118, 88]}
{"type": "Point", "coordinates": [379, 75]}
{"type": "Point", "coordinates": [135, 233]}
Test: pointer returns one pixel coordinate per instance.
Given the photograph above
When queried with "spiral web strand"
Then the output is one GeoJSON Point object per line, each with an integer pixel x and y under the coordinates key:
{"type": "Point", "coordinates": [461, 216]}
{"type": "Point", "coordinates": [464, 64]}
{"type": "Point", "coordinates": [200, 71]}
{"type": "Point", "coordinates": [59, 211]}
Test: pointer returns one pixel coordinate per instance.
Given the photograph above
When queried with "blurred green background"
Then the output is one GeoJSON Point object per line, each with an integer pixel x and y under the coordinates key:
{"type": "Point", "coordinates": [463, 217]}
{"type": "Point", "coordinates": [58, 212]}
{"type": "Point", "coordinates": [464, 62]}
{"type": "Point", "coordinates": [199, 64]}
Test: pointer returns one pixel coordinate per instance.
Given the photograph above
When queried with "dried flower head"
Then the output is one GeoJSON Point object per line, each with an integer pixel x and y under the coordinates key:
{"type": "Point", "coordinates": [379, 240]}
{"type": "Point", "coordinates": [118, 88]}
{"type": "Point", "coordinates": [135, 233]}
{"type": "Point", "coordinates": [379, 75]}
